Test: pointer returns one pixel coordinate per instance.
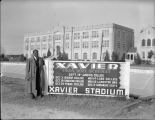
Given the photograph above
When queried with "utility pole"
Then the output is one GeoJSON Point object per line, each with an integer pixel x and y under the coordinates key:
{"type": "Point", "coordinates": [101, 46]}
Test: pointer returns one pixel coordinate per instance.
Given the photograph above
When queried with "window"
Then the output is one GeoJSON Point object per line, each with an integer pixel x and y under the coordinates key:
{"type": "Point", "coordinates": [26, 47]}
{"type": "Point", "coordinates": [76, 44]}
{"type": "Point", "coordinates": [32, 39]}
{"type": "Point", "coordinates": [128, 57]}
{"type": "Point", "coordinates": [148, 42]}
{"type": "Point", "coordinates": [50, 38]}
{"type": "Point", "coordinates": [27, 40]}
{"type": "Point", "coordinates": [58, 50]}
{"type": "Point", "coordinates": [143, 42]}
{"type": "Point", "coordinates": [76, 56]}
{"type": "Point", "coordinates": [76, 35]}
{"type": "Point", "coordinates": [119, 34]}
{"type": "Point", "coordinates": [95, 44]}
{"type": "Point", "coordinates": [57, 37]}
{"type": "Point", "coordinates": [37, 46]}
{"type": "Point", "coordinates": [85, 35]}
{"type": "Point", "coordinates": [105, 33]}
{"type": "Point", "coordinates": [44, 38]}
{"type": "Point", "coordinates": [85, 45]}
{"type": "Point", "coordinates": [84, 56]}
{"type": "Point", "coordinates": [131, 56]}
{"type": "Point", "coordinates": [153, 42]}
{"type": "Point", "coordinates": [38, 39]}
{"type": "Point", "coordinates": [124, 45]}
{"type": "Point", "coordinates": [143, 54]}
{"type": "Point", "coordinates": [105, 43]}
{"type": "Point", "coordinates": [94, 34]}
{"type": "Point", "coordinates": [124, 41]}
{"type": "Point", "coordinates": [118, 44]}
{"type": "Point", "coordinates": [67, 36]}
{"type": "Point", "coordinates": [94, 56]}
{"type": "Point", "coordinates": [67, 45]}
{"type": "Point", "coordinates": [44, 46]}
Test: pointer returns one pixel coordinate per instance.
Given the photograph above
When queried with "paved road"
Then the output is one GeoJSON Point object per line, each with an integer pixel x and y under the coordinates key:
{"type": "Point", "coordinates": [142, 82]}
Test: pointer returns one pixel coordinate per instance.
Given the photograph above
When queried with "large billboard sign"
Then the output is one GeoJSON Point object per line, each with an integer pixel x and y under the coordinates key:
{"type": "Point", "coordinates": [88, 78]}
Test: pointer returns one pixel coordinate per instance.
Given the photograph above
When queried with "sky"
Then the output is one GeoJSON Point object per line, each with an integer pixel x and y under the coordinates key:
{"type": "Point", "coordinates": [19, 17]}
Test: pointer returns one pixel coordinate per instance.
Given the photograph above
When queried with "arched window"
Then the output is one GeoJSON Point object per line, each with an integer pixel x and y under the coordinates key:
{"type": "Point", "coordinates": [84, 55]}
{"type": "Point", "coordinates": [143, 42]}
{"type": "Point", "coordinates": [128, 57]}
{"type": "Point", "coordinates": [153, 42]}
{"type": "Point", "coordinates": [131, 56]}
{"type": "Point", "coordinates": [58, 50]}
{"type": "Point", "coordinates": [148, 42]}
{"type": "Point", "coordinates": [94, 56]}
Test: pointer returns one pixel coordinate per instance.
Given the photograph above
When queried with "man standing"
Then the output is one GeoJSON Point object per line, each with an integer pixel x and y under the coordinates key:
{"type": "Point", "coordinates": [34, 75]}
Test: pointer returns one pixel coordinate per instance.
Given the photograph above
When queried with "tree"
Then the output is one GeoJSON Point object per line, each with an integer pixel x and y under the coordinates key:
{"type": "Point", "coordinates": [150, 54]}
{"type": "Point", "coordinates": [114, 56]}
{"type": "Point", "coordinates": [48, 53]}
{"type": "Point", "coordinates": [137, 59]}
{"type": "Point", "coordinates": [3, 57]}
{"type": "Point", "coordinates": [106, 56]}
{"type": "Point", "coordinates": [22, 57]}
{"type": "Point", "coordinates": [123, 58]}
{"type": "Point", "coordinates": [62, 56]}
{"type": "Point", "coordinates": [59, 56]}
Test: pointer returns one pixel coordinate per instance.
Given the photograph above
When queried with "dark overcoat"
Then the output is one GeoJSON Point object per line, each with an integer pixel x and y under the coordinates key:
{"type": "Point", "coordinates": [31, 75]}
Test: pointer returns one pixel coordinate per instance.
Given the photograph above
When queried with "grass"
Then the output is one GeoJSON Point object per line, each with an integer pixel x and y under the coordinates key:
{"type": "Point", "coordinates": [143, 66]}
{"type": "Point", "coordinates": [92, 106]}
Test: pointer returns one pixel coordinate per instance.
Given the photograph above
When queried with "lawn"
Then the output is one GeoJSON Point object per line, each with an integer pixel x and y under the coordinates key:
{"type": "Point", "coordinates": [16, 106]}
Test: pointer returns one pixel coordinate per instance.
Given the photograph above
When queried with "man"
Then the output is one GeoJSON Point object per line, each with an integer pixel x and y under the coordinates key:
{"type": "Point", "coordinates": [35, 75]}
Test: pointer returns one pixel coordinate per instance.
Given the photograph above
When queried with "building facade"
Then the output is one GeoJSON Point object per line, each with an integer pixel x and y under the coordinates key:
{"type": "Point", "coordinates": [147, 43]}
{"type": "Point", "coordinates": [82, 43]}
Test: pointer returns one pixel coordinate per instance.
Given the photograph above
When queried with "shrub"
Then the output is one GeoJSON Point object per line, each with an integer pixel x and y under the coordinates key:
{"type": "Point", "coordinates": [123, 58]}
{"type": "Point", "coordinates": [107, 56]}
{"type": "Point", "coordinates": [114, 56]}
{"type": "Point", "coordinates": [150, 54]}
{"type": "Point", "coordinates": [62, 56]}
{"type": "Point", "coordinates": [48, 53]}
{"type": "Point", "coordinates": [137, 59]}
{"type": "Point", "coordinates": [148, 62]}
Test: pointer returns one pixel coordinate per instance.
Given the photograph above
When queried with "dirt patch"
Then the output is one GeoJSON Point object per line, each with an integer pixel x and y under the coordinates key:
{"type": "Point", "coordinates": [16, 106]}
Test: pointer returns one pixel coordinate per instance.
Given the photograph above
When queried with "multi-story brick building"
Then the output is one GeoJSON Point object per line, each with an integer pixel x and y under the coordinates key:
{"type": "Point", "coordinates": [84, 43]}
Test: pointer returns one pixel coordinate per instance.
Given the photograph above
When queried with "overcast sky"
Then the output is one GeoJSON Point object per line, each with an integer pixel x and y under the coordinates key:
{"type": "Point", "coordinates": [19, 17]}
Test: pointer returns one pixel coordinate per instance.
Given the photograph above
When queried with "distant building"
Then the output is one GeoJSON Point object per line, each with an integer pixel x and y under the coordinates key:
{"type": "Point", "coordinates": [131, 54]}
{"type": "Point", "coordinates": [82, 43]}
{"type": "Point", "coordinates": [147, 43]}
